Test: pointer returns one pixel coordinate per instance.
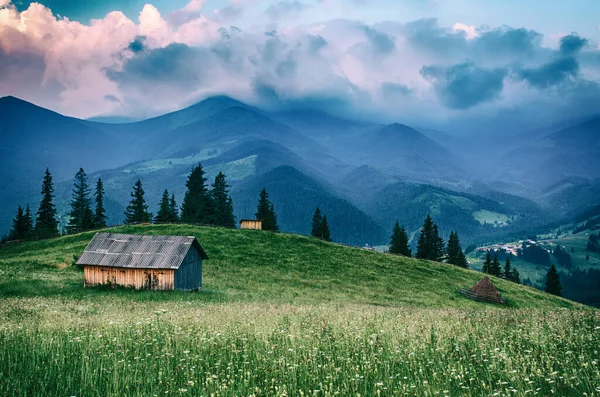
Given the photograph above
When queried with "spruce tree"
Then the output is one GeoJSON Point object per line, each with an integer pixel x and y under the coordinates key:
{"type": "Point", "coordinates": [438, 246]}
{"type": "Point", "coordinates": [137, 210]}
{"type": "Point", "coordinates": [487, 264]}
{"type": "Point", "coordinates": [424, 243]}
{"type": "Point", "coordinates": [515, 276]}
{"type": "Point", "coordinates": [164, 209]}
{"type": "Point", "coordinates": [455, 254]}
{"type": "Point", "coordinates": [81, 216]}
{"type": "Point", "coordinates": [223, 204]}
{"type": "Point", "coordinates": [46, 223]}
{"type": "Point", "coordinates": [173, 210]}
{"type": "Point", "coordinates": [19, 228]}
{"type": "Point", "coordinates": [399, 241]}
{"type": "Point", "coordinates": [28, 221]}
{"type": "Point", "coordinates": [100, 212]}
{"type": "Point", "coordinates": [508, 273]}
{"type": "Point", "coordinates": [265, 211]}
{"type": "Point", "coordinates": [316, 223]}
{"type": "Point", "coordinates": [553, 285]}
{"type": "Point", "coordinates": [197, 206]}
{"type": "Point", "coordinates": [495, 269]}
{"type": "Point", "coordinates": [325, 231]}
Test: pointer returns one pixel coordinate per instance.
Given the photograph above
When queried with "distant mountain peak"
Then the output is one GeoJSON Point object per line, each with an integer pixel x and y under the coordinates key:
{"type": "Point", "coordinates": [220, 100]}
{"type": "Point", "coordinates": [12, 100]}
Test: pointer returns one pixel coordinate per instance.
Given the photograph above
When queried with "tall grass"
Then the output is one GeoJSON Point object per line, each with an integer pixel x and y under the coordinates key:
{"type": "Point", "coordinates": [283, 315]}
{"type": "Point", "coordinates": [253, 349]}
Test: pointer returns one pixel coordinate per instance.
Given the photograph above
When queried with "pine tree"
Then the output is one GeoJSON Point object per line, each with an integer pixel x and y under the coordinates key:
{"type": "Point", "coordinates": [316, 223]}
{"type": "Point", "coordinates": [28, 221]}
{"type": "Point", "coordinates": [553, 285]}
{"type": "Point", "coordinates": [81, 216]}
{"type": "Point", "coordinates": [100, 212]}
{"type": "Point", "coordinates": [455, 254]}
{"type": "Point", "coordinates": [438, 246]}
{"type": "Point", "coordinates": [46, 223]}
{"type": "Point", "coordinates": [515, 276]}
{"type": "Point", "coordinates": [265, 211]}
{"type": "Point", "coordinates": [173, 210]}
{"type": "Point", "coordinates": [495, 269]}
{"type": "Point", "coordinates": [325, 231]}
{"type": "Point", "coordinates": [271, 219]}
{"type": "Point", "coordinates": [223, 204]}
{"type": "Point", "coordinates": [487, 264]}
{"type": "Point", "coordinates": [197, 204]}
{"type": "Point", "coordinates": [424, 243]}
{"type": "Point", "coordinates": [137, 210]}
{"type": "Point", "coordinates": [399, 241]}
{"type": "Point", "coordinates": [164, 209]}
{"type": "Point", "coordinates": [19, 228]}
{"type": "Point", "coordinates": [507, 274]}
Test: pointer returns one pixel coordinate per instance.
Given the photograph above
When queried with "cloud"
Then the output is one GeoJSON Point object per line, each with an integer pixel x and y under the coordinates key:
{"type": "Point", "coordinates": [551, 74]}
{"type": "Point", "coordinates": [470, 30]}
{"type": "Point", "coordinates": [111, 98]}
{"type": "Point", "coordinates": [381, 42]}
{"type": "Point", "coordinates": [284, 9]}
{"type": "Point", "coordinates": [464, 85]}
{"type": "Point", "coordinates": [571, 45]}
{"type": "Point", "coordinates": [508, 43]}
{"type": "Point", "coordinates": [564, 68]}
{"type": "Point", "coordinates": [137, 45]}
{"type": "Point", "coordinates": [419, 71]}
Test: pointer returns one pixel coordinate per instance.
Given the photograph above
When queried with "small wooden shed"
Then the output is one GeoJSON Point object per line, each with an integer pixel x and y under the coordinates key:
{"type": "Point", "coordinates": [251, 224]}
{"type": "Point", "coordinates": [143, 262]}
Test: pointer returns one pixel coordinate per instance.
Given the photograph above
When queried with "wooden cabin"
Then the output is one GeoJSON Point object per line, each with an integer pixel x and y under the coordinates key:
{"type": "Point", "coordinates": [251, 224]}
{"type": "Point", "coordinates": [143, 262]}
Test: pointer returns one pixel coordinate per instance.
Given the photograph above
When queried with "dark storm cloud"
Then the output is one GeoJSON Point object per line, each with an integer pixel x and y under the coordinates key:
{"type": "Point", "coordinates": [563, 68]}
{"type": "Point", "coordinates": [464, 85]}
{"type": "Point", "coordinates": [551, 74]}
{"type": "Point", "coordinates": [176, 64]}
{"type": "Point", "coordinates": [571, 45]}
{"type": "Point", "coordinates": [508, 41]}
{"type": "Point", "coordinates": [137, 45]}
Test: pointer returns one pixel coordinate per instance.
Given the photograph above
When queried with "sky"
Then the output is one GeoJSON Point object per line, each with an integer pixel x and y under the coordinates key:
{"type": "Point", "coordinates": [454, 64]}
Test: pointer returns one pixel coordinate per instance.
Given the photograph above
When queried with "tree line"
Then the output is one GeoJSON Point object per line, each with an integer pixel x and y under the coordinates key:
{"type": "Point", "coordinates": [430, 245]}
{"type": "Point", "coordinates": [201, 205]}
{"type": "Point", "coordinates": [493, 267]}
{"type": "Point", "coordinates": [81, 217]}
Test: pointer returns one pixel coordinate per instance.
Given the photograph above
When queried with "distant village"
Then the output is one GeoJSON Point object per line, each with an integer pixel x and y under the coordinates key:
{"type": "Point", "coordinates": [514, 248]}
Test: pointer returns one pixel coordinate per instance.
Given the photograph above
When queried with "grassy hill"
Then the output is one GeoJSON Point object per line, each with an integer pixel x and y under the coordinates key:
{"type": "Point", "coordinates": [259, 266]}
{"type": "Point", "coordinates": [283, 315]}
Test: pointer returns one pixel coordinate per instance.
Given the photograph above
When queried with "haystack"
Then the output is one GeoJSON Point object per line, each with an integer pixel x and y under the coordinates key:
{"type": "Point", "coordinates": [484, 290]}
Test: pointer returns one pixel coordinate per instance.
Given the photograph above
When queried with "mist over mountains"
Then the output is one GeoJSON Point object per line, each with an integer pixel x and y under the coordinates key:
{"type": "Point", "coordinates": [364, 174]}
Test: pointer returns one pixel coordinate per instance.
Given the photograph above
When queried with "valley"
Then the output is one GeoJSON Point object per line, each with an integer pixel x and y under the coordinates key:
{"type": "Point", "coordinates": [381, 173]}
{"type": "Point", "coordinates": [365, 176]}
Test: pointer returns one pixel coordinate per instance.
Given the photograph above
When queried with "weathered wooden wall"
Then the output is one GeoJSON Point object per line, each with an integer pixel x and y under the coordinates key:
{"type": "Point", "coordinates": [156, 279]}
{"type": "Point", "coordinates": [189, 275]}
{"type": "Point", "coordinates": [251, 225]}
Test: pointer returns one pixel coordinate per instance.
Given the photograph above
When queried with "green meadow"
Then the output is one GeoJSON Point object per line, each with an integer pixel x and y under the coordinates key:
{"type": "Point", "coordinates": [284, 315]}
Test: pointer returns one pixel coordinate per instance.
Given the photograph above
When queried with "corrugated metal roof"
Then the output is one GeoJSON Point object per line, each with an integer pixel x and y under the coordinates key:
{"type": "Point", "coordinates": [138, 251]}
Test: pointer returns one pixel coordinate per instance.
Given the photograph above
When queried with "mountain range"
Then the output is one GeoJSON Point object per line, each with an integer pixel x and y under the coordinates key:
{"type": "Point", "coordinates": [363, 175]}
